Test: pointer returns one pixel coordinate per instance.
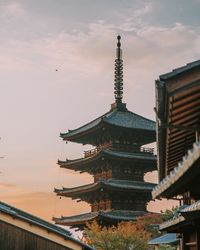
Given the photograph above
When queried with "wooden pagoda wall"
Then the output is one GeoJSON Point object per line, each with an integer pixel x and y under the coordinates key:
{"type": "Point", "coordinates": [191, 240]}
{"type": "Point", "coordinates": [14, 238]}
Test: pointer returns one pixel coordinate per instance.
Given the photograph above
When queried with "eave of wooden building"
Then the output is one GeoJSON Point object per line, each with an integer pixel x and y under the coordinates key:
{"type": "Point", "coordinates": [183, 178]}
{"type": "Point", "coordinates": [186, 217]}
{"type": "Point", "coordinates": [115, 124]}
{"type": "Point", "coordinates": [178, 115]}
{"type": "Point", "coordinates": [91, 164]}
{"type": "Point", "coordinates": [114, 216]}
{"type": "Point", "coordinates": [107, 185]}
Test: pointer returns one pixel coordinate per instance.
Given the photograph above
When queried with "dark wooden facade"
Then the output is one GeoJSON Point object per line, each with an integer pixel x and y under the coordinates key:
{"type": "Point", "coordinates": [20, 230]}
{"type": "Point", "coordinates": [178, 127]}
{"type": "Point", "coordinates": [15, 238]}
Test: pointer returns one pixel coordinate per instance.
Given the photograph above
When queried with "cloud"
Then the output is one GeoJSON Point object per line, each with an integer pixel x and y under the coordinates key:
{"type": "Point", "coordinates": [91, 52]}
{"type": "Point", "coordinates": [7, 185]}
{"type": "Point", "coordinates": [45, 204]}
{"type": "Point", "coordinates": [158, 205]}
{"type": "Point", "coordinates": [12, 9]}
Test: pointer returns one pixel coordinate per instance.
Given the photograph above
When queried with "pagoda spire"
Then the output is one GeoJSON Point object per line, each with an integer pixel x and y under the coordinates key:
{"type": "Point", "coordinates": [118, 81]}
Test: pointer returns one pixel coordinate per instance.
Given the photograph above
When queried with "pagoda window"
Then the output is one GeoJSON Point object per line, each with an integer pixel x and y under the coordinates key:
{"type": "Point", "coordinates": [127, 170]}
{"type": "Point", "coordinates": [138, 175]}
{"type": "Point", "coordinates": [108, 204]}
{"type": "Point", "coordinates": [102, 205]}
{"type": "Point", "coordinates": [94, 207]}
{"type": "Point", "coordinates": [108, 174]}
{"type": "Point", "coordinates": [103, 175]}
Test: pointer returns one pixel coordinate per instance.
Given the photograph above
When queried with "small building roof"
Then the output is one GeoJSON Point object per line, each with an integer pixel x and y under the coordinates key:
{"type": "Point", "coordinates": [111, 121]}
{"type": "Point", "coordinates": [183, 217]}
{"type": "Point", "coordinates": [168, 239]}
{"type": "Point", "coordinates": [33, 220]}
{"type": "Point", "coordinates": [84, 164]}
{"type": "Point", "coordinates": [192, 208]}
{"type": "Point", "coordinates": [172, 224]}
{"type": "Point", "coordinates": [8, 209]}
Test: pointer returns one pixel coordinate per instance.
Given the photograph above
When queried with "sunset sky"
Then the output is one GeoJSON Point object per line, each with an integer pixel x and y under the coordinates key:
{"type": "Point", "coordinates": [57, 70]}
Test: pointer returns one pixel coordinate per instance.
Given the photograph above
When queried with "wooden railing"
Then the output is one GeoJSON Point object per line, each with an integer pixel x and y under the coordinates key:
{"type": "Point", "coordinates": [91, 152]}
{"type": "Point", "coordinates": [147, 150]}
{"type": "Point", "coordinates": [119, 147]}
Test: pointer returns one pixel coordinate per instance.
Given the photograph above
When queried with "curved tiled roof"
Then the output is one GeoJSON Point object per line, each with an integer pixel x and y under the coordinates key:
{"type": "Point", "coordinates": [115, 117]}
{"type": "Point", "coordinates": [137, 186]}
{"type": "Point", "coordinates": [112, 214]}
{"type": "Point", "coordinates": [129, 119]}
{"type": "Point", "coordinates": [127, 156]}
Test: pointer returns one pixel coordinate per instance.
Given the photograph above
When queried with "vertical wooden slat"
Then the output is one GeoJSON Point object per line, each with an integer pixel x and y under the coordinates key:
{"type": "Point", "coordinates": [14, 238]}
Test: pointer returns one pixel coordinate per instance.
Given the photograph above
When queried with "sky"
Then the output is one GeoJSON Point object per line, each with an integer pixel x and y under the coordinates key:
{"type": "Point", "coordinates": [57, 71]}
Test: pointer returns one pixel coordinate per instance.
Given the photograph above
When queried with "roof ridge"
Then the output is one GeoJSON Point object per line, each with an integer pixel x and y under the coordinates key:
{"type": "Point", "coordinates": [179, 70]}
{"type": "Point", "coordinates": [22, 213]}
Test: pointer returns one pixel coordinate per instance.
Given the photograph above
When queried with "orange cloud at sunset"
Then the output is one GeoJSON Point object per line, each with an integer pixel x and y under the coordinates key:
{"type": "Point", "coordinates": [47, 205]}
{"type": "Point", "coordinates": [42, 204]}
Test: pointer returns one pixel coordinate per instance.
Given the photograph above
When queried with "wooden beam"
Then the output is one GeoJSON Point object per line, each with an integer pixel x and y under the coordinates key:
{"type": "Point", "coordinates": [186, 100]}
{"type": "Point", "coordinates": [186, 107]}
{"type": "Point", "coordinates": [195, 111]}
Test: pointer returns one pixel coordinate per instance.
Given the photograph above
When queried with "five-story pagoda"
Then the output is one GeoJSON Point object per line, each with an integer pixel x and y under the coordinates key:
{"type": "Point", "coordinates": [118, 162]}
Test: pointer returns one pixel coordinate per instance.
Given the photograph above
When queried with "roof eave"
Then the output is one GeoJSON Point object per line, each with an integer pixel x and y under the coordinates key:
{"type": "Point", "coordinates": [78, 164]}
{"type": "Point", "coordinates": [73, 192]}
{"type": "Point", "coordinates": [178, 71]}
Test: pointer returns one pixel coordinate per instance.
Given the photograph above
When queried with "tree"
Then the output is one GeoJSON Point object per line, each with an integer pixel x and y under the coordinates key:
{"type": "Point", "coordinates": [125, 236]}
{"type": "Point", "coordinates": [150, 223]}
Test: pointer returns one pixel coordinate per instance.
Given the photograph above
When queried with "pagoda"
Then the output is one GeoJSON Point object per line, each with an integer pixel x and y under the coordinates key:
{"type": "Point", "coordinates": [118, 162]}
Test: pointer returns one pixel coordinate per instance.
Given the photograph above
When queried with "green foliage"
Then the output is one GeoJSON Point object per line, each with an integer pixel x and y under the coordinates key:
{"type": "Point", "coordinates": [150, 223]}
{"type": "Point", "coordinates": [166, 247]}
{"type": "Point", "coordinates": [169, 214]}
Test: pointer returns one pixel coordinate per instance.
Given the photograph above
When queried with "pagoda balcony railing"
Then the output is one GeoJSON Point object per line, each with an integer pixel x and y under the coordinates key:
{"type": "Point", "coordinates": [147, 150]}
{"type": "Point", "coordinates": [119, 147]}
{"type": "Point", "coordinates": [91, 152]}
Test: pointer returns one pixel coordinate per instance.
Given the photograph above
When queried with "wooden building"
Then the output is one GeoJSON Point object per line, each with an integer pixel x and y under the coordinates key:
{"type": "Point", "coordinates": [118, 162]}
{"type": "Point", "coordinates": [22, 231]}
{"type": "Point", "coordinates": [178, 127]}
